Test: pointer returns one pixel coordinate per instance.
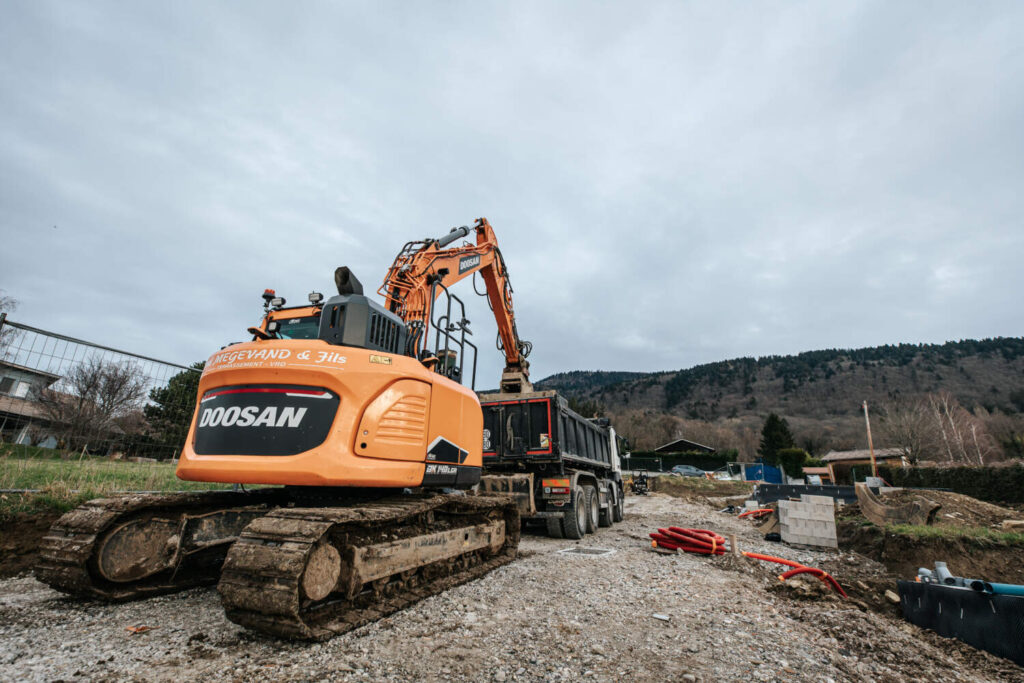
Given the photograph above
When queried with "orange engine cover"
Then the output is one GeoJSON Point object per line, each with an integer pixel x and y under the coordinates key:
{"type": "Point", "coordinates": [306, 413]}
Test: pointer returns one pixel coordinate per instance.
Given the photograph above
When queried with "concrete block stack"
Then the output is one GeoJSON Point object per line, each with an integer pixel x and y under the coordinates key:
{"type": "Point", "coordinates": [809, 521]}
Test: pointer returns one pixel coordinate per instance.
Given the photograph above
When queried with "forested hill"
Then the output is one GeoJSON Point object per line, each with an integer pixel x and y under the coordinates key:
{"type": "Point", "coordinates": [987, 372]}
{"type": "Point", "coordinates": [584, 381]}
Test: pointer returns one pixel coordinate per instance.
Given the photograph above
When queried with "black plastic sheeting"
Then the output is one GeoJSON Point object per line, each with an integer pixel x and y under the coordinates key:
{"type": "Point", "coordinates": [769, 493]}
{"type": "Point", "coordinates": [994, 623]}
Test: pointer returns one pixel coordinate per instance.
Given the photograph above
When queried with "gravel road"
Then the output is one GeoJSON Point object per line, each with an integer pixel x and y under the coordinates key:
{"type": "Point", "coordinates": [546, 616]}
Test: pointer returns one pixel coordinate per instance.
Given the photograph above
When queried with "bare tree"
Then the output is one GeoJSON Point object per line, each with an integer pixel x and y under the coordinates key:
{"type": "Point", "coordinates": [647, 430]}
{"type": "Point", "coordinates": [963, 436]}
{"type": "Point", "coordinates": [910, 424]}
{"type": "Point", "coordinates": [7, 334]}
{"type": "Point", "coordinates": [1006, 430]}
{"type": "Point", "coordinates": [93, 397]}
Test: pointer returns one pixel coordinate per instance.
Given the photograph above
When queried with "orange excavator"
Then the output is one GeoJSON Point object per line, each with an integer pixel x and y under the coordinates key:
{"type": "Point", "coordinates": [356, 414]}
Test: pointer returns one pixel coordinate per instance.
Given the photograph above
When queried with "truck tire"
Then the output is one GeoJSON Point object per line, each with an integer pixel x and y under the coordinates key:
{"type": "Point", "coordinates": [604, 517]}
{"type": "Point", "coordinates": [618, 512]}
{"type": "Point", "coordinates": [593, 509]}
{"type": "Point", "coordinates": [555, 527]}
{"type": "Point", "coordinates": [574, 523]}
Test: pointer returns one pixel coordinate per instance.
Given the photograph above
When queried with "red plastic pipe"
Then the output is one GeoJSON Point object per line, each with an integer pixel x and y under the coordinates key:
{"type": "Point", "coordinates": [771, 558]}
{"type": "Point", "coordinates": [704, 542]}
{"type": "Point", "coordinates": [758, 512]}
{"type": "Point", "coordinates": [820, 573]}
{"type": "Point", "coordinates": [700, 541]}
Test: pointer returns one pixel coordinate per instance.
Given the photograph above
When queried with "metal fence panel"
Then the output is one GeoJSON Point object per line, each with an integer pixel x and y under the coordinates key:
{"type": "Point", "coordinates": [647, 464]}
{"type": "Point", "coordinates": [75, 396]}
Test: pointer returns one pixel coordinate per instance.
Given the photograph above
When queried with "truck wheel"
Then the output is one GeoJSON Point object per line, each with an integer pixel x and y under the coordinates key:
{"type": "Point", "coordinates": [593, 509]}
{"type": "Point", "coordinates": [604, 517]}
{"type": "Point", "coordinates": [574, 523]}
{"type": "Point", "coordinates": [554, 527]}
{"type": "Point", "coordinates": [618, 512]}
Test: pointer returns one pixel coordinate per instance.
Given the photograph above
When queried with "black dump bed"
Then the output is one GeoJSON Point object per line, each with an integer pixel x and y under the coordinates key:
{"type": "Point", "coordinates": [540, 427]}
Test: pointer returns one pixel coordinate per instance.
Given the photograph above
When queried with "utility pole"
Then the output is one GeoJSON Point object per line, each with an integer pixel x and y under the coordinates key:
{"type": "Point", "coordinates": [871, 446]}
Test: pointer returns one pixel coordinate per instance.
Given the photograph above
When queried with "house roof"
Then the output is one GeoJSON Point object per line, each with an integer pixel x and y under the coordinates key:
{"type": "Point", "coordinates": [41, 373]}
{"type": "Point", "coordinates": [683, 445]}
{"type": "Point", "coordinates": [864, 454]}
{"type": "Point", "coordinates": [27, 408]}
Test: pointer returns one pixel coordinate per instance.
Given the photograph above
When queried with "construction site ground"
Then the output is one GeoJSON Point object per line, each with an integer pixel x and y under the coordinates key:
{"type": "Point", "coordinates": [547, 616]}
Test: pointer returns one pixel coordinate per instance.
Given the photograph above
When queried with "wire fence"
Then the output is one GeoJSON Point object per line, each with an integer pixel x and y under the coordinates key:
{"type": "Point", "coordinates": [643, 464]}
{"type": "Point", "coordinates": [65, 396]}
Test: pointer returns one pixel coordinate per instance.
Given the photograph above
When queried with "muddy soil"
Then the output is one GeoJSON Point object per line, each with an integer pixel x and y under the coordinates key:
{"type": "Point", "coordinates": [976, 558]}
{"type": "Point", "coordinates": [694, 488]}
{"type": "Point", "coordinates": [19, 541]}
{"type": "Point", "coordinates": [957, 509]}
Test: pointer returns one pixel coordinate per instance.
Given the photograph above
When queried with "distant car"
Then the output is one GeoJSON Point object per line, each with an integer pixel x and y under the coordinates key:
{"type": "Point", "coordinates": [687, 471]}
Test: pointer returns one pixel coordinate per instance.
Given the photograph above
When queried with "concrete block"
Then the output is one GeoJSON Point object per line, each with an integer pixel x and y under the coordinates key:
{"type": "Point", "coordinates": [811, 521]}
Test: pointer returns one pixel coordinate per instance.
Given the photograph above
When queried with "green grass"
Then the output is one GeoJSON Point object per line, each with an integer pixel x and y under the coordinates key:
{"type": "Point", "coordinates": [957, 532]}
{"type": "Point", "coordinates": [23, 451]}
{"type": "Point", "coordinates": [65, 483]}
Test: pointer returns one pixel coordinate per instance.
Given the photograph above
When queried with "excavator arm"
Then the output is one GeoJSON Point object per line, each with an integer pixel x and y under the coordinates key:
{"type": "Point", "coordinates": [424, 270]}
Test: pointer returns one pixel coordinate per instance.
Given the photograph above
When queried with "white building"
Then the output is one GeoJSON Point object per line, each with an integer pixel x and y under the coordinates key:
{"type": "Point", "coordinates": [18, 408]}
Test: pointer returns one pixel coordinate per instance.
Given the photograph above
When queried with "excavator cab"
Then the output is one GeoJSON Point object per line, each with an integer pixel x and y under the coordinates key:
{"type": "Point", "coordinates": [348, 319]}
{"type": "Point", "coordinates": [298, 327]}
{"type": "Point", "coordinates": [354, 320]}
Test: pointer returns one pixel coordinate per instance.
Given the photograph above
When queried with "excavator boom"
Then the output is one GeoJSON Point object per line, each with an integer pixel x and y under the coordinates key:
{"type": "Point", "coordinates": [425, 269]}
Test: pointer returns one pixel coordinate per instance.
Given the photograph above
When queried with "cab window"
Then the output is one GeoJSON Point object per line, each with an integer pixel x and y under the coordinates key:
{"type": "Point", "coordinates": [307, 327]}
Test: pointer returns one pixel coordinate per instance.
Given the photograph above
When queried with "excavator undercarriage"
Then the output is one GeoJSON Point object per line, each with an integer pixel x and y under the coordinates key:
{"type": "Point", "coordinates": [314, 573]}
{"type": "Point", "coordinates": [146, 544]}
{"type": "Point", "coordinates": [293, 572]}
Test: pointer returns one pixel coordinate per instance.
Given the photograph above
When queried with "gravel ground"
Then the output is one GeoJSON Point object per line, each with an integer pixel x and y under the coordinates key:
{"type": "Point", "coordinates": [546, 616]}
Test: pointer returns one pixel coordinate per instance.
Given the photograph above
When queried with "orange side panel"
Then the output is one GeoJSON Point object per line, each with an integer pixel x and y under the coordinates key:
{"type": "Point", "coordinates": [394, 425]}
{"type": "Point", "coordinates": [455, 415]}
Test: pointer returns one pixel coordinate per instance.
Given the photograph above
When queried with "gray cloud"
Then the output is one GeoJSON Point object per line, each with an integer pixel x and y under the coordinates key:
{"type": "Point", "coordinates": [671, 184]}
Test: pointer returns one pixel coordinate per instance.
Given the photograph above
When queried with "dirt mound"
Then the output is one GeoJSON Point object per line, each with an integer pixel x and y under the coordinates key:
{"type": "Point", "coordinates": [19, 541]}
{"type": "Point", "coordinates": [695, 488]}
{"type": "Point", "coordinates": [957, 509]}
{"type": "Point", "coordinates": [902, 554]}
{"type": "Point", "coordinates": [865, 581]}
{"type": "Point", "coordinates": [801, 588]}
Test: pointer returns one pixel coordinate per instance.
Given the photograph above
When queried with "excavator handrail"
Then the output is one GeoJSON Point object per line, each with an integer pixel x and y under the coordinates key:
{"type": "Point", "coordinates": [408, 289]}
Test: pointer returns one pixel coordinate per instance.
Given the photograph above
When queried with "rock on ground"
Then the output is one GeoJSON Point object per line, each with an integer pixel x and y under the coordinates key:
{"type": "Point", "coordinates": [547, 616]}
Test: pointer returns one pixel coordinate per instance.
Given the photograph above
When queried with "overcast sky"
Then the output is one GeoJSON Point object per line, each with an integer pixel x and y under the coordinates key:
{"type": "Point", "coordinates": [670, 183]}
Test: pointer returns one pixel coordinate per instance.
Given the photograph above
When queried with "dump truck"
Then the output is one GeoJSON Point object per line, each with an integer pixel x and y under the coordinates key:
{"type": "Point", "coordinates": [563, 469]}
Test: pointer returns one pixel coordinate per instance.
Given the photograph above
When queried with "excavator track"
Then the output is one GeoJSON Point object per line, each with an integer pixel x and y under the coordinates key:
{"type": "Point", "coordinates": [136, 546]}
{"type": "Point", "coordinates": [313, 573]}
